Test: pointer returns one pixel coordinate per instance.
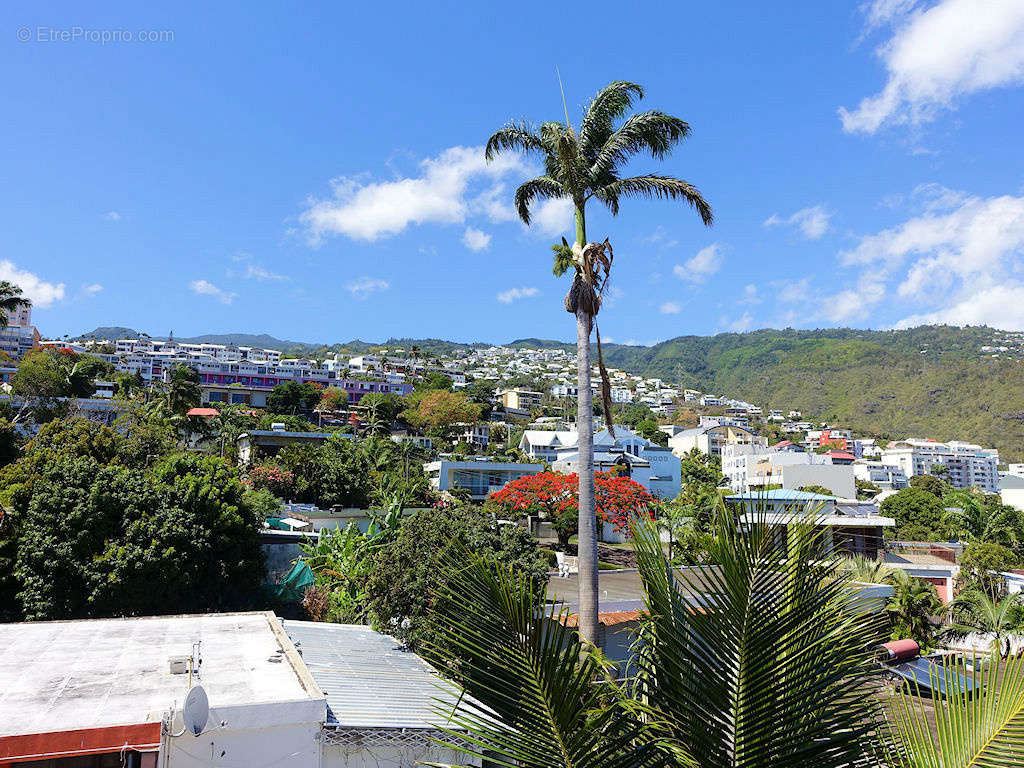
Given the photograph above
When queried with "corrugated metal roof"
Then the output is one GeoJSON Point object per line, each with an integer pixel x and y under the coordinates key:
{"type": "Point", "coordinates": [369, 679]}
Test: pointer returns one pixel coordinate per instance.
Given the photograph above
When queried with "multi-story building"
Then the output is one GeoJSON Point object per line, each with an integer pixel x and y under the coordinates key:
{"type": "Point", "coordinates": [712, 439]}
{"type": "Point", "coordinates": [751, 467]}
{"type": "Point", "coordinates": [520, 400]}
{"type": "Point", "coordinates": [966, 465]}
{"type": "Point", "coordinates": [885, 476]}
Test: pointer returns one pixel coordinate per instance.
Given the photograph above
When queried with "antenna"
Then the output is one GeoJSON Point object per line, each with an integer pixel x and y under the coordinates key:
{"type": "Point", "coordinates": [196, 712]}
{"type": "Point", "coordinates": [562, 89]}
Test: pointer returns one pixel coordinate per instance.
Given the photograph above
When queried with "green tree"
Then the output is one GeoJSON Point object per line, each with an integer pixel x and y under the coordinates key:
{"type": "Point", "coordinates": [819, 489]}
{"type": "Point", "coordinates": [929, 483]}
{"type": "Point", "coordinates": [914, 507]}
{"type": "Point", "coordinates": [584, 165]}
{"type": "Point", "coordinates": [405, 583]}
{"type": "Point", "coordinates": [11, 299]}
{"type": "Point", "coordinates": [437, 411]}
{"type": "Point", "coordinates": [180, 392]}
{"type": "Point", "coordinates": [293, 397]}
{"type": "Point", "coordinates": [980, 566]}
{"type": "Point", "coordinates": [104, 540]}
{"type": "Point", "coordinates": [913, 606]}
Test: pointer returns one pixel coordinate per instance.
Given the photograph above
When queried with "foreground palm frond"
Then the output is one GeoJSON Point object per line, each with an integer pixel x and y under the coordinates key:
{"type": "Point", "coordinates": [983, 728]}
{"type": "Point", "coordinates": [771, 664]}
{"type": "Point", "coordinates": [535, 698]}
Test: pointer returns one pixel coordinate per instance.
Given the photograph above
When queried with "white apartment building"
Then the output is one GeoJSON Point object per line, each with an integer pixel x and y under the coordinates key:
{"type": "Point", "coordinates": [750, 467]}
{"type": "Point", "coordinates": [967, 465]}
{"type": "Point", "coordinates": [621, 395]}
{"type": "Point", "coordinates": [885, 476]}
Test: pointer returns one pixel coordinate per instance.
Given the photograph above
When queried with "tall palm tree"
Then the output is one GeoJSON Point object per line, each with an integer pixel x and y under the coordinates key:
{"type": "Point", "coordinates": [976, 612]}
{"type": "Point", "coordinates": [181, 391]}
{"type": "Point", "coordinates": [580, 166]}
{"type": "Point", "coordinates": [10, 300]}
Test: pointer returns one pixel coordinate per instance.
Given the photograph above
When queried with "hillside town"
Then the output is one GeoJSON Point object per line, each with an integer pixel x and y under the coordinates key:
{"type": "Point", "coordinates": [695, 438]}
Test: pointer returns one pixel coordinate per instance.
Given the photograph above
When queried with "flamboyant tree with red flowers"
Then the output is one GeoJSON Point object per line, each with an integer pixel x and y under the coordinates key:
{"type": "Point", "coordinates": [554, 497]}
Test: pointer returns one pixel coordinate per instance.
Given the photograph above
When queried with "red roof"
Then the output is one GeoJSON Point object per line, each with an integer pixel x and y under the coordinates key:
{"type": "Point", "coordinates": [205, 412]}
{"type": "Point", "coordinates": [842, 455]}
{"type": "Point", "coordinates": [783, 444]}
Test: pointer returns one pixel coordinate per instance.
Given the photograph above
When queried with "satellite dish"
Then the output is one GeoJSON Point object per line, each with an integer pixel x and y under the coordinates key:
{"type": "Point", "coordinates": [196, 711]}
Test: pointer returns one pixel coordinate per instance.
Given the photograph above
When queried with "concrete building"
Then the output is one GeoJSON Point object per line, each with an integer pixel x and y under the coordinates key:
{"type": "Point", "coordinates": [481, 477]}
{"type": "Point", "coordinates": [750, 467]}
{"type": "Point", "coordinates": [110, 692]}
{"type": "Point", "coordinates": [711, 440]}
{"type": "Point", "coordinates": [888, 477]}
{"type": "Point", "coordinates": [1011, 491]}
{"type": "Point", "coordinates": [967, 465]}
{"type": "Point", "coordinates": [257, 443]}
{"type": "Point", "coordinates": [851, 527]}
{"type": "Point", "coordinates": [520, 400]}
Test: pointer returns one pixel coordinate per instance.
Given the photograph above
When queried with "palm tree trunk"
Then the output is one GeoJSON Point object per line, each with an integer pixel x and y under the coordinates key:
{"type": "Point", "coordinates": [587, 537]}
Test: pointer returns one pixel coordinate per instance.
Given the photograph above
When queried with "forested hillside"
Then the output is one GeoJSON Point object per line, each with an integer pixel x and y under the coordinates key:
{"type": "Point", "coordinates": [931, 381]}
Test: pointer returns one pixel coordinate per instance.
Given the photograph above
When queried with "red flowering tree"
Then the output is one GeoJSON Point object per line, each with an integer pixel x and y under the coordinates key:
{"type": "Point", "coordinates": [555, 497]}
{"type": "Point", "coordinates": [620, 500]}
{"type": "Point", "coordinates": [280, 482]}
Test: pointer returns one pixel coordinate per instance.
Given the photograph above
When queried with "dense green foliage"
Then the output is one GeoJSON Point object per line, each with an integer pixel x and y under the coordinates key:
{"type": "Point", "coordinates": [91, 533]}
{"type": "Point", "coordinates": [408, 573]}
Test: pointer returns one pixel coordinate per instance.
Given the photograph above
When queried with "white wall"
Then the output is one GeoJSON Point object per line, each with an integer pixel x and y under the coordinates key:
{"type": "Point", "coordinates": [336, 756]}
{"type": "Point", "coordinates": [285, 734]}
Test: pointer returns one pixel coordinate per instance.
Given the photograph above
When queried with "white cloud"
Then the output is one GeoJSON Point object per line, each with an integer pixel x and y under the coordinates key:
{"type": "Point", "coordinates": [959, 249]}
{"type": "Point", "coordinates": [813, 222]}
{"type": "Point", "coordinates": [92, 290]}
{"type": "Point", "coordinates": [440, 194]}
{"type": "Point", "coordinates": [698, 269]}
{"type": "Point", "coordinates": [204, 288]}
{"type": "Point", "coordinates": [793, 291]}
{"type": "Point", "coordinates": [553, 216]}
{"type": "Point", "coordinates": [1001, 306]}
{"type": "Point", "coordinates": [514, 294]}
{"type": "Point", "coordinates": [670, 308]}
{"type": "Point", "coordinates": [362, 287]}
{"type": "Point", "coordinates": [255, 271]}
{"type": "Point", "coordinates": [476, 240]}
{"type": "Point", "coordinates": [112, 216]}
{"type": "Point", "coordinates": [42, 293]}
{"type": "Point", "coordinates": [740, 324]}
{"type": "Point", "coordinates": [939, 54]}
{"type": "Point", "coordinates": [660, 237]}
{"type": "Point", "coordinates": [750, 295]}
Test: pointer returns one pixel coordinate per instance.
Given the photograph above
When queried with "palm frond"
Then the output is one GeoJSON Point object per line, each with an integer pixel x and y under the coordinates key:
{"type": "Point", "coordinates": [536, 189]}
{"type": "Point", "coordinates": [770, 664]}
{"type": "Point", "coordinates": [652, 186]}
{"type": "Point", "coordinates": [983, 727]}
{"type": "Point", "coordinates": [513, 136]}
{"type": "Point", "coordinates": [535, 698]}
{"type": "Point", "coordinates": [607, 106]}
{"type": "Point", "coordinates": [654, 132]}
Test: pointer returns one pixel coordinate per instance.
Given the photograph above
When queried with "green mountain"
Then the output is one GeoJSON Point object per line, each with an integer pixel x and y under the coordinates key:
{"type": "Point", "coordinates": [932, 381]}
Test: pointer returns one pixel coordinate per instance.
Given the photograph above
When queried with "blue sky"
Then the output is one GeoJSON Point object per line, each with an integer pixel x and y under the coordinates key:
{"type": "Point", "coordinates": [316, 174]}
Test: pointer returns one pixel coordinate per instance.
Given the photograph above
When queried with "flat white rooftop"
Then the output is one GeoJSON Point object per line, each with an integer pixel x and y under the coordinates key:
{"type": "Point", "coordinates": [68, 675]}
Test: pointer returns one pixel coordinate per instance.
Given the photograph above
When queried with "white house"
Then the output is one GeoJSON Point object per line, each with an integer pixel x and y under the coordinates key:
{"type": "Point", "coordinates": [481, 477]}
{"type": "Point", "coordinates": [711, 439]}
